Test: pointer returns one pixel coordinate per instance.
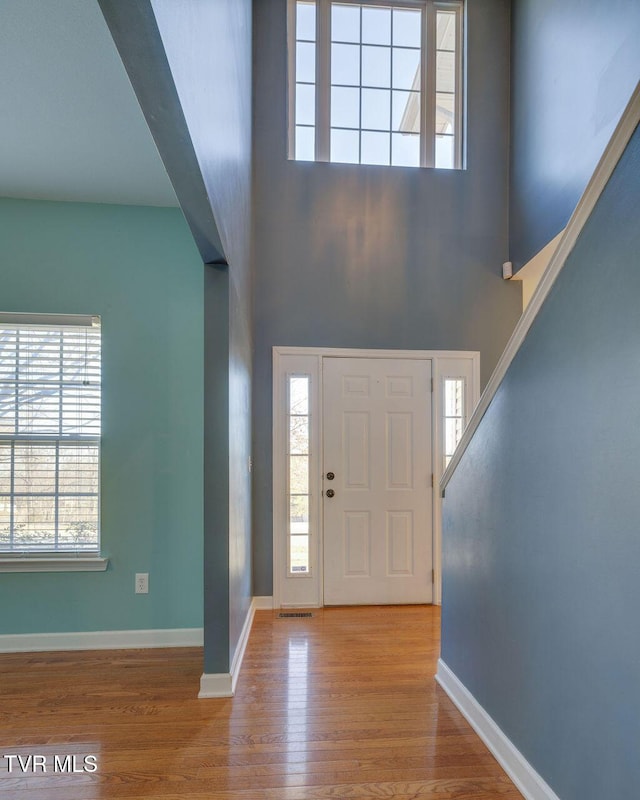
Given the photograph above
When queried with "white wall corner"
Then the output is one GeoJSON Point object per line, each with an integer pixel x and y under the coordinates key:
{"type": "Point", "coordinates": [216, 685]}
{"type": "Point", "coordinates": [223, 684]}
{"type": "Point", "coordinates": [531, 273]}
{"type": "Point", "coordinates": [263, 603]}
{"type": "Point", "coordinates": [524, 776]}
{"type": "Point", "coordinates": [236, 661]}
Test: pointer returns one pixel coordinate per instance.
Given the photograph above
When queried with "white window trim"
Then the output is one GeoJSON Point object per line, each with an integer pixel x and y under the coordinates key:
{"type": "Point", "coordinates": [306, 590]}
{"type": "Point", "coordinates": [312, 496]}
{"type": "Point", "coordinates": [427, 94]}
{"type": "Point", "coordinates": [301, 587]}
{"type": "Point", "coordinates": [451, 365]}
{"type": "Point", "coordinates": [53, 564]}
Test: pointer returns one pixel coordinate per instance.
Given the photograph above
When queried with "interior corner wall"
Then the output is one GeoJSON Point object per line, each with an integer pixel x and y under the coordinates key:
{"type": "Point", "coordinates": [540, 530]}
{"type": "Point", "coordinates": [216, 470]}
{"type": "Point", "coordinates": [137, 268]}
{"type": "Point", "coordinates": [575, 64]}
{"type": "Point", "coordinates": [376, 257]}
{"type": "Point", "coordinates": [209, 49]}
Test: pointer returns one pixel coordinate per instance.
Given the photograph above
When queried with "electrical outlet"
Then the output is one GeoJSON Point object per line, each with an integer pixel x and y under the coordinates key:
{"type": "Point", "coordinates": [142, 583]}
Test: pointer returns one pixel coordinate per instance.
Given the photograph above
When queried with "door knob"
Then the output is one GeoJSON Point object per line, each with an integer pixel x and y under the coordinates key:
{"type": "Point", "coordinates": [330, 492]}
{"type": "Point", "coordinates": [330, 476]}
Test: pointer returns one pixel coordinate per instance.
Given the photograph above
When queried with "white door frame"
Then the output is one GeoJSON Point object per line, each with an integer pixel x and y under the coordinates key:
{"type": "Point", "coordinates": [307, 590]}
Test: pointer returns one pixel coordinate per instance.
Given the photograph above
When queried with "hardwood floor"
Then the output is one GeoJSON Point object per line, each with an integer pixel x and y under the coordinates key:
{"type": "Point", "coordinates": [341, 706]}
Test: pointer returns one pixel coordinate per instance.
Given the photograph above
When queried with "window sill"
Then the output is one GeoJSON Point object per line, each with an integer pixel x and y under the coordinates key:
{"type": "Point", "coordinates": [55, 564]}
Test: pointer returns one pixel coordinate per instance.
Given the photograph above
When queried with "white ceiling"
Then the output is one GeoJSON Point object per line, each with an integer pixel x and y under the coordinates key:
{"type": "Point", "coordinates": [71, 127]}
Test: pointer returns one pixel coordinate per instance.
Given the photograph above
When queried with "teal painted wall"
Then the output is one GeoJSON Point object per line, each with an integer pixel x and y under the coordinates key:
{"type": "Point", "coordinates": [136, 267]}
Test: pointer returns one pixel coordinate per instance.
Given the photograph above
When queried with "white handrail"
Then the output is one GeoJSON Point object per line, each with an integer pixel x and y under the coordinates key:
{"type": "Point", "coordinates": [613, 153]}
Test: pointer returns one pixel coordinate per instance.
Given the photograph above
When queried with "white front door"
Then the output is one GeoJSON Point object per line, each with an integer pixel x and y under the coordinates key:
{"type": "Point", "coordinates": [377, 506]}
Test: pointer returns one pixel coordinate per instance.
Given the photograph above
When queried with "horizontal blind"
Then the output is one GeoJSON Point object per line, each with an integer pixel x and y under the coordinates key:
{"type": "Point", "coordinates": [50, 398]}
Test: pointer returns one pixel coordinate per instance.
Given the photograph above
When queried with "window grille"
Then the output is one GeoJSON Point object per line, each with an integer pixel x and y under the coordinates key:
{"type": "Point", "coordinates": [454, 416]}
{"type": "Point", "coordinates": [376, 82]}
{"type": "Point", "coordinates": [298, 457]}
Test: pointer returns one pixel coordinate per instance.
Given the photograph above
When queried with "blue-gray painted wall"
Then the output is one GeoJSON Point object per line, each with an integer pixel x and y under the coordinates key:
{"type": "Point", "coordinates": [541, 523]}
{"type": "Point", "coordinates": [139, 269]}
{"type": "Point", "coordinates": [574, 66]}
{"type": "Point", "coordinates": [376, 257]}
{"type": "Point", "coordinates": [209, 50]}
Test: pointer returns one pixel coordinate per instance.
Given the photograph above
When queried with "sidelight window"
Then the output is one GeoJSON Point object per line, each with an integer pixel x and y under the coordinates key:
{"type": "Point", "coordinates": [298, 457]}
{"type": "Point", "coordinates": [454, 416]}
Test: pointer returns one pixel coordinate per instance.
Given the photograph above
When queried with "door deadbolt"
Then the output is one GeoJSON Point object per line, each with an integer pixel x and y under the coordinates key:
{"type": "Point", "coordinates": [330, 476]}
{"type": "Point", "coordinates": [330, 492]}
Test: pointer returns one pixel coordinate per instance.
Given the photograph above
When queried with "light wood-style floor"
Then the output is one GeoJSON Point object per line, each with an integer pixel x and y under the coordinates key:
{"type": "Point", "coordinates": [341, 706]}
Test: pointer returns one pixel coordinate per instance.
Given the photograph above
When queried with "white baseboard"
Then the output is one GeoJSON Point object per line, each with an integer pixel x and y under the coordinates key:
{"type": "Point", "coordinates": [223, 684]}
{"type": "Point", "coordinates": [236, 662]}
{"type": "Point", "coordinates": [211, 685]}
{"type": "Point", "coordinates": [528, 781]}
{"type": "Point", "coordinates": [100, 640]}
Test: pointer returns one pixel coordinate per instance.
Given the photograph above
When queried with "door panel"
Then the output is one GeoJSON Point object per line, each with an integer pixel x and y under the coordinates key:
{"type": "Point", "coordinates": [399, 451]}
{"type": "Point", "coordinates": [357, 543]}
{"type": "Point", "coordinates": [377, 442]}
{"type": "Point", "coordinates": [400, 536]}
{"type": "Point", "coordinates": [357, 427]}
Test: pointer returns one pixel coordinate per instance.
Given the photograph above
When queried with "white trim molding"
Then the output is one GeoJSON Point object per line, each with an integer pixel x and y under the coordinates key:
{"type": "Point", "coordinates": [243, 640]}
{"type": "Point", "coordinates": [531, 273]}
{"type": "Point", "coordinates": [54, 564]}
{"type": "Point", "coordinates": [603, 172]}
{"type": "Point", "coordinates": [100, 640]}
{"type": "Point", "coordinates": [466, 368]}
{"type": "Point", "coordinates": [306, 591]}
{"type": "Point", "coordinates": [529, 782]}
{"type": "Point", "coordinates": [223, 684]}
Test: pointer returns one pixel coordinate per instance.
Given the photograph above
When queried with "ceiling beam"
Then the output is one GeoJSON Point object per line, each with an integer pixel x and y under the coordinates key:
{"type": "Point", "coordinates": [135, 33]}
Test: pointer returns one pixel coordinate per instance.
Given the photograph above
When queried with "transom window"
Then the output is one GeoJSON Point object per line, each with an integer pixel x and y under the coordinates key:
{"type": "Point", "coordinates": [376, 82]}
{"type": "Point", "coordinates": [49, 434]}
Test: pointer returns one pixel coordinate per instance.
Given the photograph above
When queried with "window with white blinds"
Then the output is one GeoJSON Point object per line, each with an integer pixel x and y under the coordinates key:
{"type": "Point", "coordinates": [49, 434]}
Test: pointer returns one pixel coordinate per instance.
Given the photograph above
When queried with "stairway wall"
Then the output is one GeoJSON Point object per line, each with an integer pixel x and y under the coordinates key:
{"type": "Point", "coordinates": [541, 543]}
